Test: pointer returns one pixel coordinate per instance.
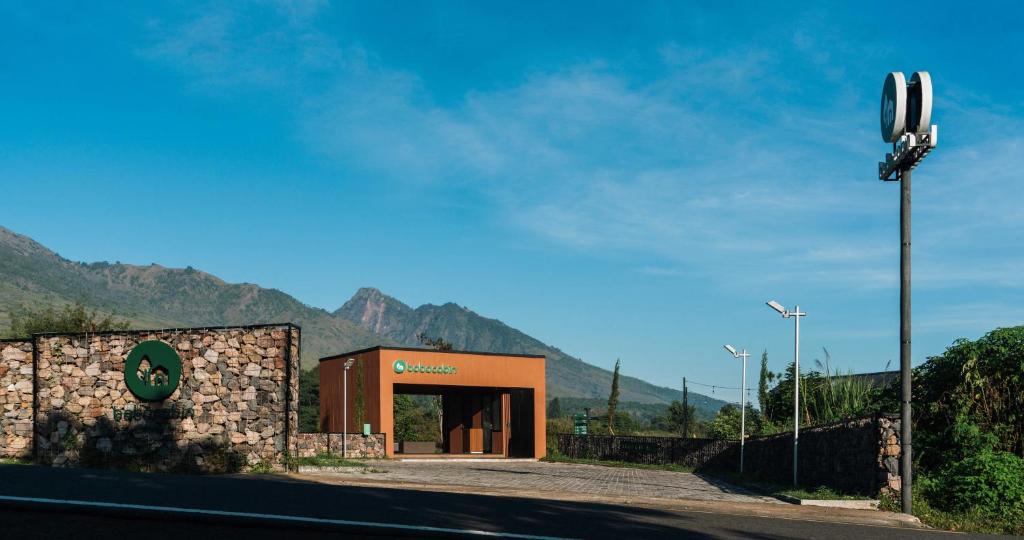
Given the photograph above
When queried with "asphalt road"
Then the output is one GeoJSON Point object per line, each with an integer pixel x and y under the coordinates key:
{"type": "Point", "coordinates": [161, 502]}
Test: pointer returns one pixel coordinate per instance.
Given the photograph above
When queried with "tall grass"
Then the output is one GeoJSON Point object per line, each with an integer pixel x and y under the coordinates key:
{"type": "Point", "coordinates": [834, 396]}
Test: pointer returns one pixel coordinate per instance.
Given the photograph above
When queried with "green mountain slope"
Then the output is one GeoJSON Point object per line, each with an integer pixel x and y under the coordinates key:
{"type": "Point", "coordinates": [32, 276]}
{"type": "Point", "coordinates": [567, 376]}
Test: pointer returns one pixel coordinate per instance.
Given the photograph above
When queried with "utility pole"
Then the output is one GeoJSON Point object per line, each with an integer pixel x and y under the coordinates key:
{"type": "Point", "coordinates": [686, 411]}
{"type": "Point", "coordinates": [906, 452]}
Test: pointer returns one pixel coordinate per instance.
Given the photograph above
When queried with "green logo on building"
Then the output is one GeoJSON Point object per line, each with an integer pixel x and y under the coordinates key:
{"type": "Point", "coordinates": [160, 378]}
{"type": "Point", "coordinates": [401, 367]}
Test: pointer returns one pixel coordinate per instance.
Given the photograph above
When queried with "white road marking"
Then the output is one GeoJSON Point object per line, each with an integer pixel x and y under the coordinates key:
{"type": "Point", "coordinates": [274, 517]}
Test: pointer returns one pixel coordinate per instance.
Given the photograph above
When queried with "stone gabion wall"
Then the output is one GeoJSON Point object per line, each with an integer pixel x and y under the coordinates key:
{"type": "Point", "coordinates": [359, 445]}
{"type": "Point", "coordinates": [852, 456]}
{"type": "Point", "coordinates": [889, 450]}
{"type": "Point", "coordinates": [236, 404]}
{"type": "Point", "coordinates": [293, 374]}
{"type": "Point", "coordinates": [16, 399]}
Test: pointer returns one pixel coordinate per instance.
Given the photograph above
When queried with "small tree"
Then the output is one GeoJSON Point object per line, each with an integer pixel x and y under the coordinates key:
{"type": "Point", "coordinates": [554, 409]}
{"type": "Point", "coordinates": [439, 344]}
{"type": "Point", "coordinates": [681, 417]}
{"type": "Point", "coordinates": [309, 400]}
{"type": "Point", "coordinates": [360, 399]}
{"type": "Point", "coordinates": [762, 385]}
{"type": "Point", "coordinates": [613, 398]}
{"type": "Point", "coordinates": [71, 318]}
{"type": "Point", "coordinates": [726, 424]}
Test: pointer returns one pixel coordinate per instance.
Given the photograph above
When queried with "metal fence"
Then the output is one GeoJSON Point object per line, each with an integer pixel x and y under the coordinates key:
{"type": "Point", "coordinates": [652, 450]}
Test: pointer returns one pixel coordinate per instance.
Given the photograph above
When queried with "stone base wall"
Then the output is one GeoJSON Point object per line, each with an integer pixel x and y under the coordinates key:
{"type": "Point", "coordinates": [236, 404]}
{"type": "Point", "coordinates": [359, 445]}
{"type": "Point", "coordinates": [16, 399]}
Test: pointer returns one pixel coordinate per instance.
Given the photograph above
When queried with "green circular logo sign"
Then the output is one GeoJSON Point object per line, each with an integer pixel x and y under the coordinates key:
{"type": "Point", "coordinates": [159, 378]}
{"type": "Point", "coordinates": [399, 366]}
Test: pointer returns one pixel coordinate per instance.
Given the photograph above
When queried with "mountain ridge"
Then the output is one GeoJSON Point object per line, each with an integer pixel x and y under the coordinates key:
{"type": "Point", "coordinates": [155, 296]}
{"type": "Point", "coordinates": [465, 329]}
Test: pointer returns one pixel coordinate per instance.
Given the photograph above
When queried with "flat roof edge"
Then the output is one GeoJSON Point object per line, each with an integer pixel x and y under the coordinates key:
{"type": "Point", "coordinates": [420, 349]}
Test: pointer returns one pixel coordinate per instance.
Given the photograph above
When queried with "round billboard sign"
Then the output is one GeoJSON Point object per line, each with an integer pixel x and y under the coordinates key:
{"type": "Point", "coordinates": [157, 379]}
{"type": "Point", "coordinates": [919, 103]}
{"type": "Point", "coordinates": [894, 107]}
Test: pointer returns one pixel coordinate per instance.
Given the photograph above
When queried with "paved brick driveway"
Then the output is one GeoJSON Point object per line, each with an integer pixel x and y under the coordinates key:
{"type": "Point", "coordinates": [591, 480]}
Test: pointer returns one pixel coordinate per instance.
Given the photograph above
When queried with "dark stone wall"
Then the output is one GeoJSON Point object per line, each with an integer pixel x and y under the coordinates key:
{"type": "Point", "coordinates": [856, 456]}
{"type": "Point", "coordinates": [650, 450]}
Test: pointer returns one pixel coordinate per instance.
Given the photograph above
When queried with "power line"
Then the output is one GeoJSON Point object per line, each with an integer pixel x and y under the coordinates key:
{"type": "Point", "coordinates": [719, 386]}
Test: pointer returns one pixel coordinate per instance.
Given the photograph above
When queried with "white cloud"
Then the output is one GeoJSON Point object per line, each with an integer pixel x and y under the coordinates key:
{"type": "Point", "coordinates": [716, 160]}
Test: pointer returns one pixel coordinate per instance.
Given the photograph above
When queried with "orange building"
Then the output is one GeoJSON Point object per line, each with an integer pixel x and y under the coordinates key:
{"type": "Point", "coordinates": [493, 404]}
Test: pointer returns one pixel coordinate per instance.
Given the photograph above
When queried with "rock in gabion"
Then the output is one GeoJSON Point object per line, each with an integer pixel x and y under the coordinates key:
{"type": "Point", "coordinates": [359, 446]}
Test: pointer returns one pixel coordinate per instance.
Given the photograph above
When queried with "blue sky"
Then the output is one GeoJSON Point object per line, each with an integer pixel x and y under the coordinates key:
{"type": "Point", "coordinates": [628, 182]}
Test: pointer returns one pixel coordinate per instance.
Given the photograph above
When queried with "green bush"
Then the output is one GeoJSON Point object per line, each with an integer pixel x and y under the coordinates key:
{"type": "Point", "coordinates": [969, 397]}
{"type": "Point", "coordinates": [990, 481]}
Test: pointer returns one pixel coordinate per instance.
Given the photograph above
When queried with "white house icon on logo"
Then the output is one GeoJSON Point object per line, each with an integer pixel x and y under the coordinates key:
{"type": "Point", "coordinates": [889, 112]}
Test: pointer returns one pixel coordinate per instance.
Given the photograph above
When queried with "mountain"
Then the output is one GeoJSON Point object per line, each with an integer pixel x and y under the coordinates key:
{"type": "Point", "coordinates": [377, 312]}
{"type": "Point", "coordinates": [33, 277]}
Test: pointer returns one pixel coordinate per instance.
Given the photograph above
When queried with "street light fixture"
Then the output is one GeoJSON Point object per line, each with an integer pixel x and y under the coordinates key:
{"type": "Point", "coordinates": [344, 414]}
{"type": "Point", "coordinates": [743, 399]}
{"type": "Point", "coordinates": [796, 314]}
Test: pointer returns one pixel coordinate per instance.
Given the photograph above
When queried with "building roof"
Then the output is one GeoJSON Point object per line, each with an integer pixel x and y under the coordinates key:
{"type": "Point", "coordinates": [421, 349]}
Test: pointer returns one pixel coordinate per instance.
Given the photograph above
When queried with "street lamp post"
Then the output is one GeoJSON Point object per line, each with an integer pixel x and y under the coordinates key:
{"type": "Point", "coordinates": [743, 399]}
{"type": "Point", "coordinates": [796, 314]}
{"type": "Point", "coordinates": [344, 414]}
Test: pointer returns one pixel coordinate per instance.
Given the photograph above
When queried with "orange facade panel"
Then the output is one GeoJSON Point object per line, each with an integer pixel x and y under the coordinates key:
{"type": "Point", "coordinates": [373, 378]}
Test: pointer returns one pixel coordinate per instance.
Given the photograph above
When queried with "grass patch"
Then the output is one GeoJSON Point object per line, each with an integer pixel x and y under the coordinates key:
{"type": "Point", "coordinates": [970, 522]}
{"type": "Point", "coordinates": [821, 493]}
{"type": "Point", "coordinates": [624, 464]}
{"type": "Point", "coordinates": [15, 461]}
{"type": "Point", "coordinates": [324, 460]}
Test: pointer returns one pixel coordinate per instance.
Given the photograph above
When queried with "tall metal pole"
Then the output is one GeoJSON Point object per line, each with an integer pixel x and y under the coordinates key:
{"type": "Point", "coordinates": [743, 409]}
{"type": "Point", "coordinates": [796, 396]}
{"type": "Point", "coordinates": [344, 415]}
{"type": "Point", "coordinates": [906, 477]}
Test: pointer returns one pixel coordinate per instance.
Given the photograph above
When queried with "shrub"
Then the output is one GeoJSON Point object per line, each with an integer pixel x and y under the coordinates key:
{"type": "Point", "coordinates": [990, 481]}
{"type": "Point", "coordinates": [973, 386]}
